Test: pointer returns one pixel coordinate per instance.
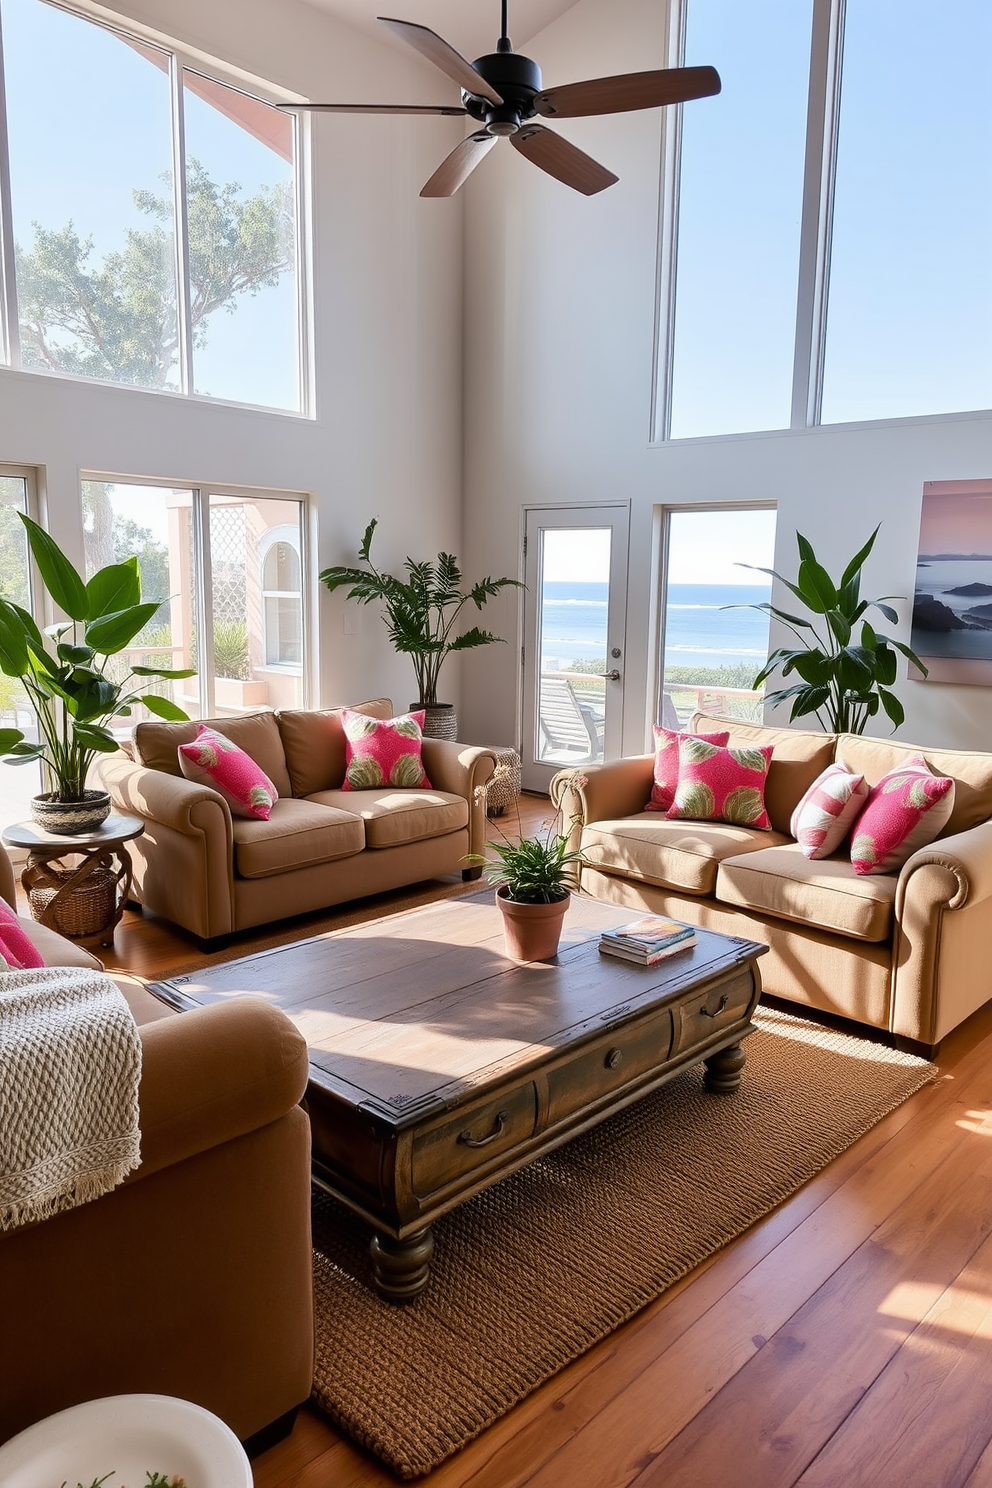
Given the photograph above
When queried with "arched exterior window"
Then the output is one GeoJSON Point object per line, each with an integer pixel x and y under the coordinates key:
{"type": "Point", "coordinates": [282, 597]}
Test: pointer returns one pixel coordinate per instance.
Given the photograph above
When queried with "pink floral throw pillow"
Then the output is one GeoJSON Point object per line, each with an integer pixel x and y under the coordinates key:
{"type": "Point", "coordinates": [16, 948]}
{"type": "Point", "coordinates": [721, 784]}
{"type": "Point", "coordinates": [826, 812]}
{"type": "Point", "coordinates": [383, 751]}
{"type": "Point", "coordinates": [906, 809]}
{"type": "Point", "coordinates": [213, 760]}
{"type": "Point", "coordinates": [666, 763]}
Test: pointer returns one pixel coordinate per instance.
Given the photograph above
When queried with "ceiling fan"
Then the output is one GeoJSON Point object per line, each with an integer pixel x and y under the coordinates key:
{"type": "Point", "coordinates": [503, 91]}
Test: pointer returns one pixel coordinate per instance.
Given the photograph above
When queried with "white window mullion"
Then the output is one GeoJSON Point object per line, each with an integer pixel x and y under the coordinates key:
{"type": "Point", "coordinates": [668, 232]}
{"type": "Point", "coordinates": [204, 601]}
{"type": "Point", "coordinates": [826, 57]}
{"type": "Point", "coordinates": [183, 291]}
{"type": "Point", "coordinates": [10, 331]}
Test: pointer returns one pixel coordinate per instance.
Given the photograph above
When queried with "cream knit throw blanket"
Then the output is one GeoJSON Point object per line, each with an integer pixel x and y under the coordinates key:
{"type": "Point", "coordinates": [70, 1060]}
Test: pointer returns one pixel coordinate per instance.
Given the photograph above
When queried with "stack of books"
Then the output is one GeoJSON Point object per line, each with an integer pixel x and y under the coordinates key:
{"type": "Point", "coordinates": [647, 940]}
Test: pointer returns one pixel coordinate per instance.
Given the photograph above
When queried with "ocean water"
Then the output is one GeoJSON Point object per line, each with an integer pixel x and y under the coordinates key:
{"type": "Point", "coordinates": [699, 631]}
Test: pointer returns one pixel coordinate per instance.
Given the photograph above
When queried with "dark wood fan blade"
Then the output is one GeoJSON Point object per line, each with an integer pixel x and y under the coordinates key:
{"type": "Point", "coordinates": [374, 108]}
{"type": "Point", "coordinates": [437, 50]}
{"type": "Point", "coordinates": [630, 90]}
{"type": "Point", "coordinates": [563, 160]}
{"type": "Point", "coordinates": [459, 165]}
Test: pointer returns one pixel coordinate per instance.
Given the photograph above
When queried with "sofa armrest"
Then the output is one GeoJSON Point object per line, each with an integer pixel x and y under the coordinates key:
{"type": "Point", "coordinates": [462, 770]}
{"type": "Point", "coordinates": [941, 970]}
{"type": "Point", "coordinates": [213, 1074]}
{"type": "Point", "coordinates": [169, 799]}
{"type": "Point", "coordinates": [604, 792]}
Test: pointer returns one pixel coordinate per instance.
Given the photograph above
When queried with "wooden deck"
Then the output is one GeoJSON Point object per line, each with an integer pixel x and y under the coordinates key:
{"type": "Point", "coordinates": [845, 1341]}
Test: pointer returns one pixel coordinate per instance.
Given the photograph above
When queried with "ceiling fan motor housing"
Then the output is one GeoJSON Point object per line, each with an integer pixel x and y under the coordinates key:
{"type": "Point", "coordinates": [517, 80]}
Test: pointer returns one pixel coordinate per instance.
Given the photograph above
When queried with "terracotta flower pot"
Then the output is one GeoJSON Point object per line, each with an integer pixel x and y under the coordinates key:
{"type": "Point", "coordinates": [531, 931]}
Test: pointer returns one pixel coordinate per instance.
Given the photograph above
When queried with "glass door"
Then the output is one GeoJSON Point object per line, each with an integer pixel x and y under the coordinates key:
{"type": "Point", "coordinates": [575, 619]}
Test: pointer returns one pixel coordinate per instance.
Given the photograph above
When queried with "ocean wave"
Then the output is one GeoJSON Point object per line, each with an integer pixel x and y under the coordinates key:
{"type": "Point", "coordinates": [583, 604]}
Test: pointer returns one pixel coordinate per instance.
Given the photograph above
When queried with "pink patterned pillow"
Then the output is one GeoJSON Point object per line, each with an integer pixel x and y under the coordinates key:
{"type": "Point", "coordinates": [383, 751]}
{"type": "Point", "coordinates": [213, 760]}
{"type": "Point", "coordinates": [16, 946]}
{"type": "Point", "coordinates": [666, 763]}
{"type": "Point", "coordinates": [906, 809]}
{"type": "Point", "coordinates": [721, 784]}
{"type": "Point", "coordinates": [823, 817]}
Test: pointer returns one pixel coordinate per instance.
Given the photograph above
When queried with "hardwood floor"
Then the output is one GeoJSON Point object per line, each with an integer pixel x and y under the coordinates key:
{"type": "Point", "coordinates": [844, 1340]}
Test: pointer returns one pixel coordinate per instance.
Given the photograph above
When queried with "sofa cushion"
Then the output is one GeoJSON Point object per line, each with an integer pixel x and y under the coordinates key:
{"type": "Point", "coordinates": [157, 744]}
{"type": "Point", "coordinates": [298, 834]}
{"type": "Point", "coordinates": [315, 746]}
{"type": "Point", "coordinates": [674, 854]}
{"type": "Point", "coordinates": [797, 759]}
{"type": "Point", "coordinates": [824, 892]}
{"type": "Point", "coordinates": [970, 771]}
{"type": "Point", "coordinates": [392, 817]}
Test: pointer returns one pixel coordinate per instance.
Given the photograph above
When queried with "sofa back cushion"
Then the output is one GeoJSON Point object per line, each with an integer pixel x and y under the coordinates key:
{"type": "Point", "coordinates": [157, 744]}
{"type": "Point", "coordinates": [971, 773]}
{"type": "Point", "coordinates": [797, 759]}
{"type": "Point", "coordinates": [314, 744]}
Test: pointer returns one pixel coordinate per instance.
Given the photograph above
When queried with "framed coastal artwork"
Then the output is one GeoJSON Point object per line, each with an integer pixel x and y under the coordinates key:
{"type": "Point", "coordinates": [952, 606]}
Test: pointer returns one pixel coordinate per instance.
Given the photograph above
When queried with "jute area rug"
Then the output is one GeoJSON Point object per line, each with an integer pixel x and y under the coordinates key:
{"type": "Point", "coordinates": [530, 1274]}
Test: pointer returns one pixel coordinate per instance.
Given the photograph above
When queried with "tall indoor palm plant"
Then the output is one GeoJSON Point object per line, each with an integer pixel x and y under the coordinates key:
{"type": "Point", "coordinates": [846, 668]}
{"type": "Point", "coordinates": [422, 610]}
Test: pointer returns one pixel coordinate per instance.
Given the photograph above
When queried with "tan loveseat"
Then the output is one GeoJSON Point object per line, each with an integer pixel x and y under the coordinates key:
{"type": "Point", "coordinates": [215, 874]}
{"type": "Point", "coordinates": [910, 953]}
{"type": "Point", "coordinates": [194, 1277]}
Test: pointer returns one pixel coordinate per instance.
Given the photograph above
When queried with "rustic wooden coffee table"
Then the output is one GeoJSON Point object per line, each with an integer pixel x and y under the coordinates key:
{"type": "Point", "coordinates": [437, 1066]}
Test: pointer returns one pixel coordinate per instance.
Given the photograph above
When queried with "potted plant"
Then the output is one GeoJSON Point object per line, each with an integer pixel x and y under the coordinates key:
{"type": "Point", "coordinates": [533, 881]}
{"type": "Point", "coordinates": [421, 612]}
{"type": "Point", "coordinates": [846, 673]}
{"type": "Point", "coordinates": [64, 671]}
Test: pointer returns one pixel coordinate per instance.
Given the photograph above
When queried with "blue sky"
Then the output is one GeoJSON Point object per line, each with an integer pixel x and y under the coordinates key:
{"type": "Point", "coordinates": [89, 123]}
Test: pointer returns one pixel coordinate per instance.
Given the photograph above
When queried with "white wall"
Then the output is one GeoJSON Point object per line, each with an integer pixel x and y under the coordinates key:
{"type": "Point", "coordinates": [387, 436]}
{"type": "Point", "coordinates": [560, 295]}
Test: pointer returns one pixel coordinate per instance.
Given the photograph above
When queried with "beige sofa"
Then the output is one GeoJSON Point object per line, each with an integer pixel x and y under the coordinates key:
{"type": "Point", "coordinates": [215, 874]}
{"type": "Point", "coordinates": [910, 952]}
{"type": "Point", "coordinates": [194, 1277]}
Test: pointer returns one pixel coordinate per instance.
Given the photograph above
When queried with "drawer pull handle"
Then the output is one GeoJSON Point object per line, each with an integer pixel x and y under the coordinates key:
{"type": "Point", "coordinates": [469, 1141]}
{"type": "Point", "coordinates": [705, 1012]}
{"type": "Point", "coordinates": [614, 1059]}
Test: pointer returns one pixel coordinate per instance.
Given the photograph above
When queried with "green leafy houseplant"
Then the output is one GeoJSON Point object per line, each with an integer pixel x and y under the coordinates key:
{"type": "Point", "coordinates": [64, 669]}
{"type": "Point", "coordinates": [422, 610]}
{"type": "Point", "coordinates": [533, 889]}
{"type": "Point", "coordinates": [846, 668]}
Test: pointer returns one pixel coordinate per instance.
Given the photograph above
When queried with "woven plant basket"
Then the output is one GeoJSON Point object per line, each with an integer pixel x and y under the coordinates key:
{"type": "Point", "coordinates": [86, 911]}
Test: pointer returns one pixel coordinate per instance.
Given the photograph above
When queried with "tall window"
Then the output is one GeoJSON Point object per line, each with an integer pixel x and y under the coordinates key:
{"type": "Point", "coordinates": [18, 783]}
{"type": "Point", "coordinates": [909, 320]}
{"type": "Point", "coordinates": [833, 207]}
{"type": "Point", "coordinates": [120, 271]}
{"type": "Point", "coordinates": [740, 203]}
{"type": "Point", "coordinates": [201, 552]}
{"type": "Point", "coordinates": [715, 642]}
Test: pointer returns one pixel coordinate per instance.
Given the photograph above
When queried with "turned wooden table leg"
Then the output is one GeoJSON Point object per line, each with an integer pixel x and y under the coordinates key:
{"type": "Point", "coordinates": [402, 1267]}
{"type": "Point", "coordinates": [723, 1070]}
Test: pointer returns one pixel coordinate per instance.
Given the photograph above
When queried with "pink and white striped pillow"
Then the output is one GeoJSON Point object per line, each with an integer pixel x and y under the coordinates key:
{"type": "Point", "coordinates": [828, 810]}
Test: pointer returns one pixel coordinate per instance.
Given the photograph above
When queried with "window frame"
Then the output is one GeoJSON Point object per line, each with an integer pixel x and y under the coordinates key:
{"type": "Point", "coordinates": [201, 492]}
{"type": "Point", "coordinates": [816, 223]}
{"type": "Point", "coordinates": [180, 59]}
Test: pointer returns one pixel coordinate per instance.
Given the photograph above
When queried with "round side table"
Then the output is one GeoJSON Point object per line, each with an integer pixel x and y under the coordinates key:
{"type": "Point", "coordinates": [83, 900]}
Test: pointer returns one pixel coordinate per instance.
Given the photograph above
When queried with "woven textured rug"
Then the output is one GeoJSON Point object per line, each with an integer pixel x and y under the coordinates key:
{"type": "Point", "coordinates": [530, 1274]}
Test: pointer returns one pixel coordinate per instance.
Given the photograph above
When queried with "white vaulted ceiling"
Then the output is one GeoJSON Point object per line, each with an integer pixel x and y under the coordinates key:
{"type": "Point", "coordinates": [471, 26]}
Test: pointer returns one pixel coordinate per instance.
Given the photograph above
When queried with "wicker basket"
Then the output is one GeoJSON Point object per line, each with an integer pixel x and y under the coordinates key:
{"type": "Point", "coordinates": [86, 911]}
{"type": "Point", "coordinates": [504, 786]}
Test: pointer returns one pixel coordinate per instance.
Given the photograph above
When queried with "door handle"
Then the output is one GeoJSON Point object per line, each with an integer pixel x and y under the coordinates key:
{"type": "Point", "coordinates": [613, 676]}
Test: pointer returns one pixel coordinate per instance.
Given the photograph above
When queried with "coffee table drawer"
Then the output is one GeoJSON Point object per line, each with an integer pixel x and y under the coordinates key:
{"type": "Point", "coordinates": [700, 1017]}
{"type": "Point", "coordinates": [609, 1064]}
{"type": "Point", "coordinates": [455, 1147]}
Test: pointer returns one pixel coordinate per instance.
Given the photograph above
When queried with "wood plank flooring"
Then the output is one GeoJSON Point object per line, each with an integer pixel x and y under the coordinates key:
{"type": "Point", "coordinates": [844, 1340]}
